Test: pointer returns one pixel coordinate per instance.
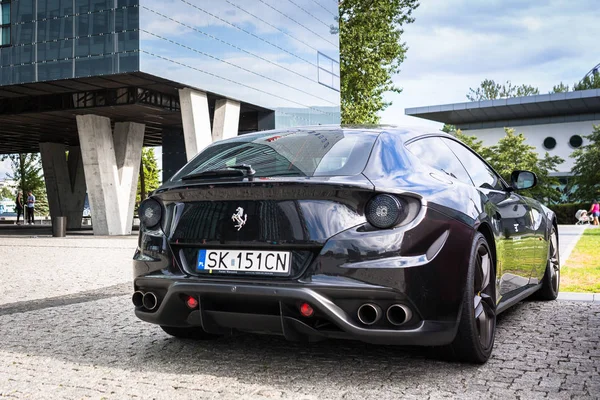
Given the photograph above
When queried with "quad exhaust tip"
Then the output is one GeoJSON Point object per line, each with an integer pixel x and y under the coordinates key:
{"type": "Point", "coordinates": [138, 299]}
{"type": "Point", "coordinates": [398, 314]}
{"type": "Point", "coordinates": [369, 313]}
{"type": "Point", "coordinates": [150, 301]}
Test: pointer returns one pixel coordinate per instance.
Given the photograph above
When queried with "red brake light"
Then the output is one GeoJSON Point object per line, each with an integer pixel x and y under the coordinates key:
{"type": "Point", "coordinates": [306, 310]}
{"type": "Point", "coordinates": [191, 302]}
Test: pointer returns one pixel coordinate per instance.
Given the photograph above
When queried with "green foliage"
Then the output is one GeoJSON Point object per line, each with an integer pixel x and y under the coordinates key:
{"type": "Point", "coordinates": [27, 170]}
{"type": "Point", "coordinates": [560, 88]}
{"type": "Point", "coordinates": [591, 81]}
{"type": "Point", "coordinates": [151, 173]}
{"type": "Point", "coordinates": [6, 193]}
{"type": "Point", "coordinates": [565, 213]}
{"type": "Point", "coordinates": [512, 153]}
{"type": "Point", "coordinates": [587, 168]}
{"type": "Point", "coordinates": [475, 144]}
{"type": "Point", "coordinates": [448, 128]}
{"type": "Point", "coordinates": [371, 52]}
{"type": "Point", "coordinates": [490, 90]}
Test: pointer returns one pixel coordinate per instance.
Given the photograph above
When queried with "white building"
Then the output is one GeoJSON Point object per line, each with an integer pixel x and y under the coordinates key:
{"type": "Point", "coordinates": [554, 123]}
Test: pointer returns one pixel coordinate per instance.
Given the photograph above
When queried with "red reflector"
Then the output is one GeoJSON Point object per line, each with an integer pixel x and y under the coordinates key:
{"type": "Point", "coordinates": [191, 302]}
{"type": "Point", "coordinates": [306, 310]}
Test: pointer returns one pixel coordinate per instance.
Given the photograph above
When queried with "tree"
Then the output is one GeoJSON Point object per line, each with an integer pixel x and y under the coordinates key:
{"type": "Point", "coordinates": [560, 88]}
{"type": "Point", "coordinates": [27, 170]}
{"type": "Point", "coordinates": [448, 128]}
{"type": "Point", "coordinates": [591, 81]}
{"type": "Point", "coordinates": [371, 52]}
{"type": "Point", "coordinates": [475, 144]}
{"type": "Point", "coordinates": [151, 173]}
{"type": "Point", "coordinates": [6, 193]}
{"type": "Point", "coordinates": [512, 153]}
{"type": "Point", "coordinates": [587, 167]}
{"type": "Point", "coordinates": [490, 90]}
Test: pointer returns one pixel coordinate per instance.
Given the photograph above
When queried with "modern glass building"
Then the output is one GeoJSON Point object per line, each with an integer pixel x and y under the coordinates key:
{"type": "Point", "coordinates": [182, 68]}
{"type": "Point", "coordinates": [275, 54]}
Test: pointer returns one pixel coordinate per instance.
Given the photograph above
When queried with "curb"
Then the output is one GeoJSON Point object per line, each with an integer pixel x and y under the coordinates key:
{"type": "Point", "coordinates": [588, 297]}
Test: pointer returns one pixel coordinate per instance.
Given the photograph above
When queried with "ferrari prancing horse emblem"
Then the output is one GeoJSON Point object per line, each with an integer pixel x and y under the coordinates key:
{"type": "Point", "coordinates": [239, 218]}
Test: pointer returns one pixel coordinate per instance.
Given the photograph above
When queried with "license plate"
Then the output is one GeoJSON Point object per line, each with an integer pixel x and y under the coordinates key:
{"type": "Point", "coordinates": [236, 261]}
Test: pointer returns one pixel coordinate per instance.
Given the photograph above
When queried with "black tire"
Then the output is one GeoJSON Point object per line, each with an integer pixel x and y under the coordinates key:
{"type": "Point", "coordinates": [474, 340]}
{"type": "Point", "coordinates": [195, 333]}
{"type": "Point", "coordinates": [551, 280]}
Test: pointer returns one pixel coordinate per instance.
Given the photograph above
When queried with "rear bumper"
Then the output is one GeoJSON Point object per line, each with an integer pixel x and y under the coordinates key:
{"type": "Point", "coordinates": [333, 303]}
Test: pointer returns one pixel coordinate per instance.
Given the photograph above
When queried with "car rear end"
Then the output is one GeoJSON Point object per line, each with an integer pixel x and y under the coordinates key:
{"type": "Point", "coordinates": [289, 249]}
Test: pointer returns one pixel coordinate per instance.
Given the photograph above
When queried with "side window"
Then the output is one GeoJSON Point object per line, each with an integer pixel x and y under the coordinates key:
{"type": "Point", "coordinates": [482, 175]}
{"type": "Point", "coordinates": [434, 152]}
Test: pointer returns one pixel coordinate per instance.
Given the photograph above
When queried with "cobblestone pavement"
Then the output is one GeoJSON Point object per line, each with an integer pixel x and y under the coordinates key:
{"type": "Point", "coordinates": [60, 266]}
{"type": "Point", "coordinates": [83, 341]}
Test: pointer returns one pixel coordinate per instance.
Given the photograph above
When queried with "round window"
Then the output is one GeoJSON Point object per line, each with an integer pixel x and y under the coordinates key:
{"type": "Point", "coordinates": [549, 143]}
{"type": "Point", "coordinates": [576, 141]}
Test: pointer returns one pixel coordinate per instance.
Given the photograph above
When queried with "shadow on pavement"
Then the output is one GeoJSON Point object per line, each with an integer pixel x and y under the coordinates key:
{"type": "Point", "coordinates": [106, 333]}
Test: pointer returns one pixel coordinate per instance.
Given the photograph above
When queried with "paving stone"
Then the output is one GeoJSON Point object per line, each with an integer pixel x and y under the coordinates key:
{"type": "Point", "coordinates": [74, 336]}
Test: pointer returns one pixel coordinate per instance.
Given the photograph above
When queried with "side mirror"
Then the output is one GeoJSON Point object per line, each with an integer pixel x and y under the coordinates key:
{"type": "Point", "coordinates": [520, 180]}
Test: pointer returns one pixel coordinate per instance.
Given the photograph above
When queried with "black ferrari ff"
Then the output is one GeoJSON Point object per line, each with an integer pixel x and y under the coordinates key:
{"type": "Point", "coordinates": [384, 235]}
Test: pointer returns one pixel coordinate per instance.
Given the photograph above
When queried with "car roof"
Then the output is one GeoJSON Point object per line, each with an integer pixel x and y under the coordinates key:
{"type": "Point", "coordinates": [406, 133]}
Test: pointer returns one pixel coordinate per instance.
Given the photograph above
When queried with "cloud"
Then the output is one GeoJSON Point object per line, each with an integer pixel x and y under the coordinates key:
{"type": "Point", "coordinates": [455, 44]}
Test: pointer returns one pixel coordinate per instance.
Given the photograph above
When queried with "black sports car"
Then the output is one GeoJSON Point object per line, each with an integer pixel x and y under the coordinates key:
{"type": "Point", "coordinates": [383, 235]}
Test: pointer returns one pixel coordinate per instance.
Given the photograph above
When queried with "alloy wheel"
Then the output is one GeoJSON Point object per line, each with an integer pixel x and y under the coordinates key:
{"type": "Point", "coordinates": [484, 305]}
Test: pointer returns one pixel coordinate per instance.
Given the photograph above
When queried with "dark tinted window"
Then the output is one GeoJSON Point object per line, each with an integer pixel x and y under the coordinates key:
{"type": "Point", "coordinates": [434, 152]}
{"type": "Point", "coordinates": [314, 153]}
{"type": "Point", "coordinates": [480, 173]}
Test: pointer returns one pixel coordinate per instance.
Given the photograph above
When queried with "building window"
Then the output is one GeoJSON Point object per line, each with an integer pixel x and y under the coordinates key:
{"type": "Point", "coordinates": [329, 71]}
{"type": "Point", "coordinates": [549, 143]}
{"type": "Point", "coordinates": [575, 141]}
{"type": "Point", "coordinates": [4, 23]}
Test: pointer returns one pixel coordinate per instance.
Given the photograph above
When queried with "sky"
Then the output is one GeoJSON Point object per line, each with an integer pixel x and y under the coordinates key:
{"type": "Point", "coordinates": [455, 44]}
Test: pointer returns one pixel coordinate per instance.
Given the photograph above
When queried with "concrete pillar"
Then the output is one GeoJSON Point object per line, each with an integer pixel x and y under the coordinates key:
{"type": "Point", "coordinates": [65, 182]}
{"type": "Point", "coordinates": [111, 163]}
{"type": "Point", "coordinates": [196, 121]}
{"type": "Point", "coordinates": [226, 120]}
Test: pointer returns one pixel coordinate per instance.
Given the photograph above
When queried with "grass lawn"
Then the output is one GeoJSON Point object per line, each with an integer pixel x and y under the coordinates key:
{"type": "Point", "coordinates": [581, 272]}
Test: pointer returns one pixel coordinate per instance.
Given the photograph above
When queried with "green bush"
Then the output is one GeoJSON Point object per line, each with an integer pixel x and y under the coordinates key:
{"type": "Point", "coordinates": [565, 213]}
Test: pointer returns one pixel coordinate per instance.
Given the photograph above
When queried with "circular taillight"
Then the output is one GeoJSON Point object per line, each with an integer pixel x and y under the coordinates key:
{"type": "Point", "coordinates": [150, 213]}
{"type": "Point", "coordinates": [384, 211]}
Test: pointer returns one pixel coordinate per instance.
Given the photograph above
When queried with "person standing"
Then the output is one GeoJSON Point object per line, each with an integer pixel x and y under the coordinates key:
{"type": "Point", "coordinates": [30, 208]}
{"type": "Point", "coordinates": [595, 211]}
{"type": "Point", "coordinates": [19, 207]}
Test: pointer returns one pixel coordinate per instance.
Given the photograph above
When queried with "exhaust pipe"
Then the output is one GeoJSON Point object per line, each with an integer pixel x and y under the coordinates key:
{"type": "Point", "coordinates": [369, 313]}
{"type": "Point", "coordinates": [138, 299]}
{"type": "Point", "coordinates": [150, 301]}
{"type": "Point", "coordinates": [398, 314]}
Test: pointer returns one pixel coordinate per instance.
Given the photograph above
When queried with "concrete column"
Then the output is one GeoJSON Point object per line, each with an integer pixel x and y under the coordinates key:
{"type": "Point", "coordinates": [111, 163]}
{"type": "Point", "coordinates": [65, 182]}
{"type": "Point", "coordinates": [196, 121]}
{"type": "Point", "coordinates": [226, 120]}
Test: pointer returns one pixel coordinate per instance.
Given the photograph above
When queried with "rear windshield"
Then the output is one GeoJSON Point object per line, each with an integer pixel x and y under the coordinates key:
{"type": "Point", "coordinates": [305, 153]}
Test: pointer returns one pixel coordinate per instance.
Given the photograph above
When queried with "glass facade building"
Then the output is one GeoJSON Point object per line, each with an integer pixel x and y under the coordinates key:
{"type": "Point", "coordinates": [282, 55]}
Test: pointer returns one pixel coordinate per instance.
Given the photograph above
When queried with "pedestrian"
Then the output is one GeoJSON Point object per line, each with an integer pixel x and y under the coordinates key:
{"type": "Point", "coordinates": [595, 211]}
{"type": "Point", "coordinates": [19, 206]}
{"type": "Point", "coordinates": [30, 208]}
